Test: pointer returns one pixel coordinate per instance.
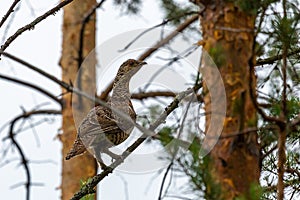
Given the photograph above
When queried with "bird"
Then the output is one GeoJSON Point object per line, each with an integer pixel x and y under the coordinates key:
{"type": "Point", "coordinates": [103, 128]}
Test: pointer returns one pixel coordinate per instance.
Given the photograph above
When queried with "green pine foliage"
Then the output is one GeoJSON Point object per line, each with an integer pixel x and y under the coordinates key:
{"type": "Point", "coordinates": [177, 11]}
{"type": "Point", "coordinates": [129, 6]}
{"type": "Point", "coordinates": [277, 31]}
{"type": "Point", "coordinates": [273, 31]}
{"type": "Point", "coordinates": [89, 196]}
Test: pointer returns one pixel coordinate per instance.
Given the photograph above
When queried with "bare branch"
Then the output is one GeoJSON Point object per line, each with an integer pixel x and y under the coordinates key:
{"type": "Point", "coordinates": [84, 22]}
{"type": "Point", "coordinates": [186, 23]}
{"type": "Point", "coordinates": [253, 94]}
{"type": "Point", "coordinates": [10, 10]}
{"type": "Point", "coordinates": [167, 39]}
{"type": "Point", "coordinates": [164, 180]}
{"type": "Point", "coordinates": [295, 123]}
{"type": "Point", "coordinates": [155, 47]}
{"type": "Point", "coordinates": [72, 89]}
{"type": "Point", "coordinates": [89, 187]}
{"type": "Point", "coordinates": [293, 171]}
{"type": "Point", "coordinates": [154, 94]}
{"type": "Point", "coordinates": [273, 59]}
{"type": "Point", "coordinates": [31, 25]}
{"type": "Point", "coordinates": [38, 70]}
{"type": "Point", "coordinates": [144, 95]}
{"type": "Point", "coordinates": [104, 94]}
{"type": "Point", "coordinates": [268, 153]}
{"type": "Point", "coordinates": [51, 96]}
{"type": "Point", "coordinates": [173, 155]}
{"type": "Point", "coordinates": [24, 160]}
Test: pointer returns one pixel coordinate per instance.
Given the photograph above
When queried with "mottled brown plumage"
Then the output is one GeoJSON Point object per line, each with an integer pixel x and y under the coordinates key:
{"type": "Point", "coordinates": [102, 128]}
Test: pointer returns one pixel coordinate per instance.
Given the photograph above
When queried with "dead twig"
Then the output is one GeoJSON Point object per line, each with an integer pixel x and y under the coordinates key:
{"type": "Point", "coordinates": [11, 136]}
{"type": "Point", "coordinates": [30, 85]}
{"type": "Point", "coordinates": [10, 11]}
{"type": "Point", "coordinates": [31, 25]}
{"type": "Point", "coordinates": [155, 47]}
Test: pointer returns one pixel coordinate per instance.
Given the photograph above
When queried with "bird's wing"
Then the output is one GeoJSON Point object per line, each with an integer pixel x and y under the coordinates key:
{"type": "Point", "coordinates": [97, 125]}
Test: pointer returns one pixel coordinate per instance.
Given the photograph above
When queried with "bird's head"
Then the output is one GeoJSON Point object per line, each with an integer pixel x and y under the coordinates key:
{"type": "Point", "coordinates": [129, 68]}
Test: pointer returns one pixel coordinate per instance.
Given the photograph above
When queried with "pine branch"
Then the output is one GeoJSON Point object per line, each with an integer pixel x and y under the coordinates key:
{"type": "Point", "coordinates": [273, 59]}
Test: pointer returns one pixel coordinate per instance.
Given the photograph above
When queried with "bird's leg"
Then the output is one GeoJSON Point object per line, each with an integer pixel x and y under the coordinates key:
{"type": "Point", "coordinates": [111, 154]}
{"type": "Point", "coordinates": [100, 162]}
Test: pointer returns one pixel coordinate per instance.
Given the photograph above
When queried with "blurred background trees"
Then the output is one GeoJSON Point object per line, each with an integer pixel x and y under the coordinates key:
{"type": "Point", "coordinates": [254, 44]}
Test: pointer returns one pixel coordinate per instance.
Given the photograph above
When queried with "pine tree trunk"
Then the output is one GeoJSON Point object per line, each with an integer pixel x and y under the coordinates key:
{"type": "Point", "coordinates": [228, 34]}
{"type": "Point", "coordinates": [79, 168]}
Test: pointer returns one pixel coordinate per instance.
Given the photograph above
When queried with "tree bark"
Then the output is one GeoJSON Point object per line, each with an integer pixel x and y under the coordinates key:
{"type": "Point", "coordinates": [79, 168]}
{"type": "Point", "coordinates": [228, 34]}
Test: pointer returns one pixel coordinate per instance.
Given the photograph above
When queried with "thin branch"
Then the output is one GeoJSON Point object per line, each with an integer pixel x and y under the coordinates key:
{"type": "Point", "coordinates": [34, 112]}
{"type": "Point", "coordinates": [186, 171]}
{"type": "Point", "coordinates": [38, 70]}
{"type": "Point", "coordinates": [155, 47]}
{"type": "Point", "coordinates": [295, 123]}
{"type": "Point", "coordinates": [185, 53]}
{"type": "Point", "coordinates": [273, 188]}
{"type": "Point", "coordinates": [84, 22]}
{"type": "Point", "coordinates": [173, 154]}
{"type": "Point", "coordinates": [294, 192]}
{"type": "Point", "coordinates": [268, 153]}
{"type": "Point", "coordinates": [20, 184]}
{"type": "Point", "coordinates": [30, 7]}
{"type": "Point", "coordinates": [144, 95]}
{"type": "Point", "coordinates": [166, 40]}
{"type": "Point", "coordinates": [273, 59]}
{"type": "Point", "coordinates": [72, 89]}
{"type": "Point", "coordinates": [253, 94]}
{"type": "Point", "coordinates": [51, 96]}
{"type": "Point", "coordinates": [125, 186]}
{"type": "Point", "coordinates": [164, 180]}
{"type": "Point", "coordinates": [261, 19]}
{"type": "Point", "coordinates": [104, 94]}
{"type": "Point", "coordinates": [31, 25]}
{"type": "Point", "coordinates": [165, 21]}
{"type": "Point", "coordinates": [89, 187]}
{"type": "Point", "coordinates": [9, 23]}
{"type": "Point", "coordinates": [24, 160]}
{"type": "Point", "coordinates": [293, 171]}
{"type": "Point", "coordinates": [10, 10]}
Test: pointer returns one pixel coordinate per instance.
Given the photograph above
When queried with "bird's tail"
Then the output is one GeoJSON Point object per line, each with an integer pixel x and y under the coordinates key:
{"type": "Point", "coordinates": [77, 149]}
